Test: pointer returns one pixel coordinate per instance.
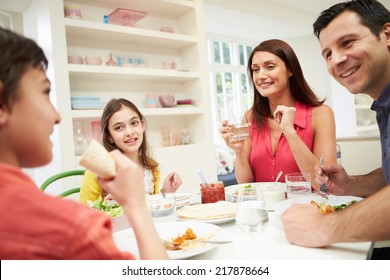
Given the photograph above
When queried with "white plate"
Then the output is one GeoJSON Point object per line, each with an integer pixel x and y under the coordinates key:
{"type": "Point", "coordinates": [183, 199]}
{"type": "Point", "coordinates": [215, 213]}
{"type": "Point", "coordinates": [210, 221]}
{"type": "Point", "coordinates": [125, 239]}
{"type": "Point", "coordinates": [333, 200]}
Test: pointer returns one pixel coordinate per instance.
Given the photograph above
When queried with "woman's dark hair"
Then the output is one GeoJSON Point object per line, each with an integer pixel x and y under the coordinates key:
{"type": "Point", "coordinates": [372, 14]}
{"type": "Point", "coordinates": [300, 89]}
{"type": "Point", "coordinates": [17, 55]}
{"type": "Point", "coordinates": [113, 106]}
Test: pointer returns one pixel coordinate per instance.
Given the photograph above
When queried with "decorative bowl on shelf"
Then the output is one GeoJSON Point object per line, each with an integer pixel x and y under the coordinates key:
{"type": "Point", "coordinates": [126, 17]}
{"type": "Point", "coordinates": [168, 29]}
{"type": "Point", "coordinates": [93, 60]}
{"type": "Point", "coordinates": [75, 59]}
{"type": "Point", "coordinates": [166, 100]}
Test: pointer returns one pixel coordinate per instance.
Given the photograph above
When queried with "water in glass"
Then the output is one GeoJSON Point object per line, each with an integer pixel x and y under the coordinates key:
{"type": "Point", "coordinates": [251, 213]}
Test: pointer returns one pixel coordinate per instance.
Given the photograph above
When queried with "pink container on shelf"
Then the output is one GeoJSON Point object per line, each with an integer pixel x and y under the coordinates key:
{"type": "Point", "coordinates": [126, 17]}
{"type": "Point", "coordinates": [72, 11]}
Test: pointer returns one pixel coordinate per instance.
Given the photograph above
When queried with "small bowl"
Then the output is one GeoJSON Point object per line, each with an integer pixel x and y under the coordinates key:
{"type": "Point", "coordinates": [75, 59]}
{"type": "Point", "coordinates": [161, 207]}
{"type": "Point", "coordinates": [169, 65]}
{"type": "Point", "coordinates": [93, 60]}
{"type": "Point", "coordinates": [169, 29]}
{"type": "Point", "coordinates": [166, 100]}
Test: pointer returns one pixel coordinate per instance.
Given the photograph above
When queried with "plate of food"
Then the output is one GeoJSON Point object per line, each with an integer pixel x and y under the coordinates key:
{"type": "Point", "coordinates": [333, 202]}
{"type": "Point", "coordinates": [175, 231]}
{"type": "Point", "coordinates": [214, 213]}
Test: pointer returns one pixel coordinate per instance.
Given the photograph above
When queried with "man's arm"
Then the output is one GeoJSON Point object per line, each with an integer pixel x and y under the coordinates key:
{"type": "Point", "coordinates": [367, 220]}
{"type": "Point", "coordinates": [366, 185]}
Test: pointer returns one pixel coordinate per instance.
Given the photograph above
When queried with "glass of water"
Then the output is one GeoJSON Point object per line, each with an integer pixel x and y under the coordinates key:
{"type": "Point", "coordinates": [298, 184]}
{"type": "Point", "coordinates": [251, 213]}
{"type": "Point", "coordinates": [240, 128]}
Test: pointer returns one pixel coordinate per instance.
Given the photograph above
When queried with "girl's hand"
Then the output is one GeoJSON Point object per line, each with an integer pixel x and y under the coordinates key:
{"type": "Point", "coordinates": [172, 182]}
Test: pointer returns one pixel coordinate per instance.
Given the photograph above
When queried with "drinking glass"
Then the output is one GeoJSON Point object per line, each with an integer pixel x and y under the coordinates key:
{"type": "Point", "coordinates": [298, 184]}
{"type": "Point", "coordinates": [273, 192]}
{"type": "Point", "coordinates": [251, 213]}
{"type": "Point", "coordinates": [166, 135]}
{"type": "Point", "coordinates": [240, 129]}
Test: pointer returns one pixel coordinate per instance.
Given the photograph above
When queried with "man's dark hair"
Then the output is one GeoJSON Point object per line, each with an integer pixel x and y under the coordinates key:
{"type": "Point", "coordinates": [372, 14]}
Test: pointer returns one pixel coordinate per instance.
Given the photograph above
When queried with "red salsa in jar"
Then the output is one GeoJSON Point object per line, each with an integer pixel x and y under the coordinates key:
{"type": "Point", "coordinates": [213, 192]}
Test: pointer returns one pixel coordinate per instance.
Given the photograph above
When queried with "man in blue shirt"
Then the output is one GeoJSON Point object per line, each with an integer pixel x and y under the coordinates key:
{"type": "Point", "coordinates": [355, 40]}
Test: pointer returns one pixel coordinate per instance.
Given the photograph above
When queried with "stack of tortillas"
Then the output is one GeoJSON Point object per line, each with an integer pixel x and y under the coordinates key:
{"type": "Point", "coordinates": [208, 211]}
{"type": "Point", "coordinates": [97, 159]}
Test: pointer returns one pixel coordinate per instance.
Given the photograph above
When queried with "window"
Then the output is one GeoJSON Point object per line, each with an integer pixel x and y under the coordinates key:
{"type": "Point", "coordinates": [230, 85]}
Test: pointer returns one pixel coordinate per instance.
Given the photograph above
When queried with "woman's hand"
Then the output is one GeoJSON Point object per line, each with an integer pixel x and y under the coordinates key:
{"type": "Point", "coordinates": [236, 146]}
{"type": "Point", "coordinates": [171, 183]}
{"type": "Point", "coordinates": [284, 116]}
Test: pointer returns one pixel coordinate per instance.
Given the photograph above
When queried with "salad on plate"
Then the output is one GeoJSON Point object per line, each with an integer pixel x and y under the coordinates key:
{"type": "Point", "coordinates": [110, 207]}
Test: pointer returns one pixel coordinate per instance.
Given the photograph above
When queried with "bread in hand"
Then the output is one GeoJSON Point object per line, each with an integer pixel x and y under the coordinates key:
{"type": "Point", "coordinates": [97, 159]}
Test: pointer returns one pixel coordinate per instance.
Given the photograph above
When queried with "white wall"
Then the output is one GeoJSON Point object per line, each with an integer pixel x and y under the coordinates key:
{"type": "Point", "coordinates": [313, 65]}
{"type": "Point", "coordinates": [360, 156]}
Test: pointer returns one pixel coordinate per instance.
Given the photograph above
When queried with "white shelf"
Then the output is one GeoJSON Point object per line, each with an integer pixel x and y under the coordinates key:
{"type": "Point", "coordinates": [363, 106]}
{"type": "Point", "coordinates": [363, 128]}
{"type": "Point", "coordinates": [111, 73]}
{"type": "Point", "coordinates": [79, 114]}
{"type": "Point", "coordinates": [186, 47]}
{"type": "Point", "coordinates": [122, 34]}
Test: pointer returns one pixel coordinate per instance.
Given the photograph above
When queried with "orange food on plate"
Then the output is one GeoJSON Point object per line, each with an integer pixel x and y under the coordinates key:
{"type": "Point", "coordinates": [188, 235]}
{"type": "Point", "coordinates": [324, 209]}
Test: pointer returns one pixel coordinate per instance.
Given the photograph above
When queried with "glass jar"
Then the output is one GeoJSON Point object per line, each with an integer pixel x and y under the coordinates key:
{"type": "Point", "coordinates": [80, 140]}
{"type": "Point", "coordinates": [212, 192]}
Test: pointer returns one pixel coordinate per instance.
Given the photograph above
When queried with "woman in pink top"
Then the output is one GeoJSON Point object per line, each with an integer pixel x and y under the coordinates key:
{"type": "Point", "coordinates": [291, 128]}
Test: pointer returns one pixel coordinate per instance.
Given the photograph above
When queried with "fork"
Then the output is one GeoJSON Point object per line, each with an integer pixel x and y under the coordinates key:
{"type": "Point", "coordinates": [170, 246]}
{"type": "Point", "coordinates": [323, 191]}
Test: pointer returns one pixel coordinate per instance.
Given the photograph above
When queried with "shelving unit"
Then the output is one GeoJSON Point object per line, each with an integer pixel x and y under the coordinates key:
{"type": "Point", "coordinates": [366, 124]}
{"type": "Point", "coordinates": [186, 47]}
{"type": "Point", "coordinates": [353, 114]}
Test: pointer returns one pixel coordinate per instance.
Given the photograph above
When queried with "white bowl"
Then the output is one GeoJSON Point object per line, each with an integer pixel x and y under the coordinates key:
{"type": "Point", "coordinates": [161, 207]}
{"type": "Point", "coordinates": [272, 192]}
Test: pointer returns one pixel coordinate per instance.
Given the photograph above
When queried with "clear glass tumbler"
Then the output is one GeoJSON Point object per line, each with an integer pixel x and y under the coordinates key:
{"type": "Point", "coordinates": [251, 213]}
{"type": "Point", "coordinates": [240, 129]}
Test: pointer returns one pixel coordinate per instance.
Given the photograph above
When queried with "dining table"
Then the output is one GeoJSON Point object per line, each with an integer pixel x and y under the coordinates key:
{"type": "Point", "coordinates": [270, 244]}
